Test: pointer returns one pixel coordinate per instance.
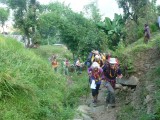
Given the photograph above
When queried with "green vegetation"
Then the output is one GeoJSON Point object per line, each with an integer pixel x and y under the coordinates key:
{"type": "Point", "coordinates": [4, 17]}
{"type": "Point", "coordinates": [131, 54]}
{"type": "Point", "coordinates": [30, 90]}
{"type": "Point", "coordinates": [47, 51]}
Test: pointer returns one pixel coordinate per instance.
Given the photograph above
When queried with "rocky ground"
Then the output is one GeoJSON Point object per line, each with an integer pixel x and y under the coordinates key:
{"type": "Point", "coordinates": [87, 110]}
{"type": "Point", "coordinates": [144, 62]}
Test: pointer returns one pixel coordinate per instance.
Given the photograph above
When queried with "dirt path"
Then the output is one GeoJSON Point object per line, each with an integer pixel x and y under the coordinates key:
{"type": "Point", "coordinates": [87, 110]}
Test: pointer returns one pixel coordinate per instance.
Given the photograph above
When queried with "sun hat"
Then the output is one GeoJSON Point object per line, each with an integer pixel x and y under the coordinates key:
{"type": "Point", "coordinates": [112, 61]}
{"type": "Point", "coordinates": [95, 65]}
{"type": "Point", "coordinates": [97, 57]}
{"type": "Point", "coordinates": [96, 52]}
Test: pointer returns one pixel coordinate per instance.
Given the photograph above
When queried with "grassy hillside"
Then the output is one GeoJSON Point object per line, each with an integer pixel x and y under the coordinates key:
{"type": "Point", "coordinates": [29, 90]}
{"type": "Point", "coordinates": [47, 51]}
{"type": "Point", "coordinates": [143, 61]}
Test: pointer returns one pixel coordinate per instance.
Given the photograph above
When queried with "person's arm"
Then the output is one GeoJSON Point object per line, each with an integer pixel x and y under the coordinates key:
{"type": "Point", "coordinates": [101, 73]}
{"type": "Point", "coordinates": [104, 67]}
{"type": "Point", "coordinates": [119, 74]}
{"type": "Point", "coordinates": [89, 70]}
{"type": "Point", "coordinates": [78, 63]}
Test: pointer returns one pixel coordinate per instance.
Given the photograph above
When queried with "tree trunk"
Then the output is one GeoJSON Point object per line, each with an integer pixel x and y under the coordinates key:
{"type": "Point", "coordinates": [27, 42]}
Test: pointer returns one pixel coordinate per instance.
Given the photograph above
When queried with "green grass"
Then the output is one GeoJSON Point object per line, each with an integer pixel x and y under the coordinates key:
{"type": "Point", "coordinates": [47, 51]}
{"type": "Point", "coordinates": [128, 55]}
{"type": "Point", "coordinates": [30, 90]}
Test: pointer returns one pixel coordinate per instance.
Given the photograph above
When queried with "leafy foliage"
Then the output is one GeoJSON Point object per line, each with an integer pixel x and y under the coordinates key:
{"type": "Point", "coordinates": [132, 9]}
{"type": "Point", "coordinates": [25, 18]}
{"type": "Point", "coordinates": [113, 29]}
{"type": "Point", "coordinates": [73, 29]}
{"type": "Point", "coordinates": [4, 14]}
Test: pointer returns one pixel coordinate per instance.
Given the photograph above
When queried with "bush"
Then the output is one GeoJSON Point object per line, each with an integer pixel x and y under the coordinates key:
{"type": "Point", "coordinates": [154, 27]}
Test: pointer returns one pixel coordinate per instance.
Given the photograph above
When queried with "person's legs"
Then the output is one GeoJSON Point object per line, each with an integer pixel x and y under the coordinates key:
{"type": "Point", "coordinates": [108, 97]}
{"type": "Point", "coordinates": [77, 69]}
{"type": "Point", "coordinates": [97, 91]}
{"type": "Point", "coordinates": [55, 69]}
{"type": "Point", "coordinates": [94, 95]}
{"type": "Point", "coordinates": [111, 94]}
{"type": "Point", "coordinates": [80, 70]}
{"type": "Point", "coordinates": [66, 71]}
{"type": "Point", "coordinates": [146, 39]}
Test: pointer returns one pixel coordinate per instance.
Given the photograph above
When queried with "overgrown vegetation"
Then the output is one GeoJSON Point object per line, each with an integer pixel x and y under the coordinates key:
{"type": "Point", "coordinates": [151, 78]}
{"type": "Point", "coordinates": [30, 90]}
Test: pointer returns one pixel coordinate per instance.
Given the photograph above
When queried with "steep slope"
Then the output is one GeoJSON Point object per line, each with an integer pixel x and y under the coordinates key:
{"type": "Point", "coordinates": [146, 59]}
{"type": "Point", "coordinates": [131, 104]}
{"type": "Point", "coordinates": [29, 89]}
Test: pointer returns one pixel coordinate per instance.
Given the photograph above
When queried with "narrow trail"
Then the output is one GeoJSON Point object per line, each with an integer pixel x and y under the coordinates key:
{"type": "Point", "coordinates": [147, 61]}
{"type": "Point", "coordinates": [87, 110]}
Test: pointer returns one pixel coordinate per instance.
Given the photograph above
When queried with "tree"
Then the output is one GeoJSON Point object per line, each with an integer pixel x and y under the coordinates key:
{"type": "Point", "coordinates": [136, 14]}
{"type": "Point", "coordinates": [79, 34]}
{"type": "Point", "coordinates": [93, 12]}
{"type": "Point", "coordinates": [4, 14]}
{"type": "Point", "coordinates": [25, 17]}
{"type": "Point", "coordinates": [113, 29]}
{"type": "Point", "coordinates": [132, 8]}
{"type": "Point", "coordinates": [158, 9]}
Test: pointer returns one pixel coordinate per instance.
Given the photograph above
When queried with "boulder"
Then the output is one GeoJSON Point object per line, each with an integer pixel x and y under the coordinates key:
{"type": "Point", "coordinates": [131, 81]}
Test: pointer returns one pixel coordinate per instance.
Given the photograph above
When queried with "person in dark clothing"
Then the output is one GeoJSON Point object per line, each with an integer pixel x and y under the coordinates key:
{"type": "Point", "coordinates": [111, 72]}
{"type": "Point", "coordinates": [147, 34]}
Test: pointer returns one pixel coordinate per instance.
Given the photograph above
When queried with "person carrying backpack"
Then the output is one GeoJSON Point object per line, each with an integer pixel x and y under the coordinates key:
{"type": "Point", "coordinates": [98, 60]}
{"type": "Point", "coordinates": [88, 61]}
{"type": "Point", "coordinates": [111, 71]}
{"type": "Point", "coordinates": [95, 74]}
{"type": "Point", "coordinates": [55, 63]}
{"type": "Point", "coordinates": [79, 66]}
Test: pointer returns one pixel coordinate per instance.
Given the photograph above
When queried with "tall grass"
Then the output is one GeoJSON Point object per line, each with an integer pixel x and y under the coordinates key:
{"type": "Point", "coordinates": [29, 90]}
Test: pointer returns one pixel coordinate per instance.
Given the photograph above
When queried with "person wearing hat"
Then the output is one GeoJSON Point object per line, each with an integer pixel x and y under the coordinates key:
{"type": "Point", "coordinates": [97, 59]}
{"type": "Point", "coordinates": [95, 74]}
{"type": "Point", "coordinates": [111, 72]}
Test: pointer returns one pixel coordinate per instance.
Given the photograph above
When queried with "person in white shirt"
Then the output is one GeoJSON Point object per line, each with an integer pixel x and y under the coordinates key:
{"type": "Point", "coordinates": [78, 66]}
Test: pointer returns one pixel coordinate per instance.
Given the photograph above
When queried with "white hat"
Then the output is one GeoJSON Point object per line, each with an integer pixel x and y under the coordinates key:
{"type": "Point", "coordinates": [112, 61]}
{"type": "Point", "coordinates": [95, 52]}
{"type": "Point", "coordinates": [95, 65]}
{"type": "Point", "coordinates": [97, 57]}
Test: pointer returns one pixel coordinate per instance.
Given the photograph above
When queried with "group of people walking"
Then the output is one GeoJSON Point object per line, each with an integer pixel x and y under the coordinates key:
{"type": "Point", "coordinates": [65, 64]}
{"type": "Point", "coordinates": [106, 69]}
{"type": "Point", "coordinates": [99, 67]}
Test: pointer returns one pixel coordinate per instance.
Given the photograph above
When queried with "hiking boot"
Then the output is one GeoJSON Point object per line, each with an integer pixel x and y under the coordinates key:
{"type": "Point", "coordinates": [107, 101]}
{"type": "Point", "coordinates": [94, 101]}
{"type": "Point", "coordinates": [94, 104]}
{"type": "Point", "coordinates": [113, 105]}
